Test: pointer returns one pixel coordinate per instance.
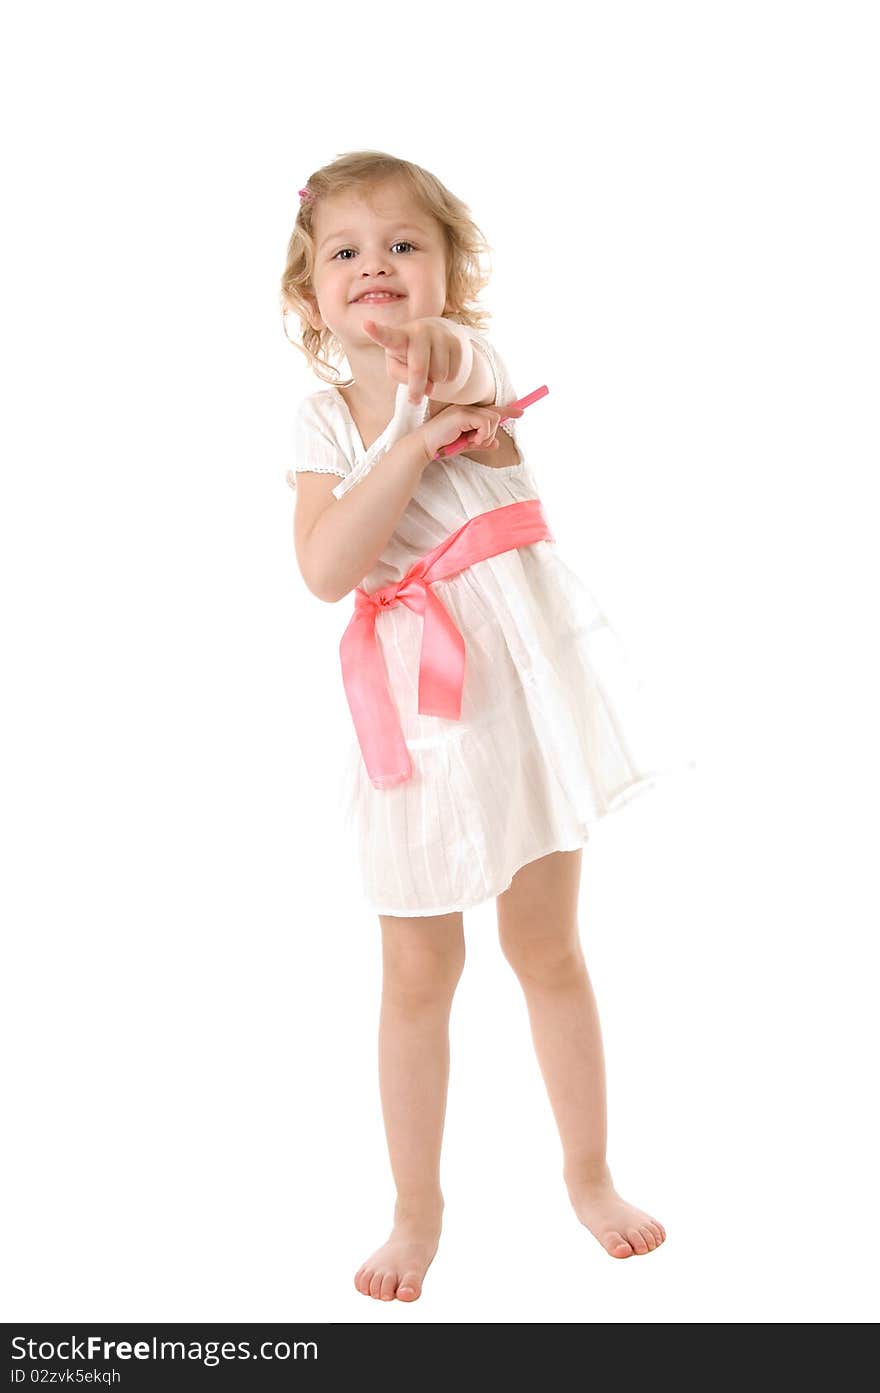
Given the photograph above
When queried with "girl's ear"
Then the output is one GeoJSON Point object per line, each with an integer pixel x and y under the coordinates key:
{"type": "Point", "coordinates": [312, 312]}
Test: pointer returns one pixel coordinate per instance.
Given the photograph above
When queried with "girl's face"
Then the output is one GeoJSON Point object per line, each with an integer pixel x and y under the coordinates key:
{"type": "Point", "coordinates": [387, 244]}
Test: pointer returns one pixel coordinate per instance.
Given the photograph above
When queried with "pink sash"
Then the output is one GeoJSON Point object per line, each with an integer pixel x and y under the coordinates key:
{"type": "Point", "coordinates": [442, 658]}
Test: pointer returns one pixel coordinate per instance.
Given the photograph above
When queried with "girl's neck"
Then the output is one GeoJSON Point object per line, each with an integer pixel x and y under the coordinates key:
{"type": "Point", "coordinates": [363, 407]}
{"type": "Point", "coordinates": [373, 394]}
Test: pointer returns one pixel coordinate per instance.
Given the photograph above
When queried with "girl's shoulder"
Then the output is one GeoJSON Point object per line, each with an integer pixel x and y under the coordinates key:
{"type": "Point", "coordinates": [321, 405]}
{"type": "Point", "coordinates": [323, 414]}
{"type": "Point", "coordinates": [320, 442]}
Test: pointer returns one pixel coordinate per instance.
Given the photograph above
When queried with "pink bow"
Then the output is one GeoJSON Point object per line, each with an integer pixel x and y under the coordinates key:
{"type": "Point", "coordinates": [442, 657]}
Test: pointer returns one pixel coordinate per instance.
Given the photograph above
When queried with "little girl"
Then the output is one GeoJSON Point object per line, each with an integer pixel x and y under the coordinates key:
{"type": "Point", "coordinates": [488, 692]}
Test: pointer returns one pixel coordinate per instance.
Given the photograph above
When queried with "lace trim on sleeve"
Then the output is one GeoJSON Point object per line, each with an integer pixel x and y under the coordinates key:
{"type": "Point", "coordinates": [311, 469]}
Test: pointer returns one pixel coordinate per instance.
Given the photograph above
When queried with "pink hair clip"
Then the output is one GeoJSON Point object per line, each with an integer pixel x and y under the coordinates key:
{"type": "Point", "coordinates": [306, 195]}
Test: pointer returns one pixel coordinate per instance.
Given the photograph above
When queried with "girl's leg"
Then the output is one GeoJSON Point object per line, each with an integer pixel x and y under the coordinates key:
{"type": "Point", "coordinates": [538, 930]}
{"type": "Point", "coordinates": [422, 960]}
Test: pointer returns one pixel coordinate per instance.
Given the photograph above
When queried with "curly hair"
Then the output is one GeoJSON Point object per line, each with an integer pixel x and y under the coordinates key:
{"type": "Point", "coordinates": [362, 171]}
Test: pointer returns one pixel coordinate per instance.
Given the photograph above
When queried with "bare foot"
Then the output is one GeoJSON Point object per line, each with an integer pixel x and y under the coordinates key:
{"type": "Point", "coordinates": [399, 1266]}
{"type": "Point", "coordinates": [623, 1230]}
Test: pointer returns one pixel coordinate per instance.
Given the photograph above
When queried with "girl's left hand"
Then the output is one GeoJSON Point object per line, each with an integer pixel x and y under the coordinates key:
{"type": "Point", "coordinates": [423, 352]}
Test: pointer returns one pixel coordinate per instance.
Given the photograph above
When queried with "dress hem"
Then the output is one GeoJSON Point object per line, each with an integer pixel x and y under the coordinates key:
{"type": "Point", "coordinates": [620, 800]}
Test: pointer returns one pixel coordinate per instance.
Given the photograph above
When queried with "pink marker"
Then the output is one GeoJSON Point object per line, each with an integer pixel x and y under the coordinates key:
{"type": "Point", "coordinates": [466, 438]}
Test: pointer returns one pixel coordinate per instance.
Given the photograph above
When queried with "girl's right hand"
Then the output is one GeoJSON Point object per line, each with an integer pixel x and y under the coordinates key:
{"type": "Point", "coordinates": [481, 422]}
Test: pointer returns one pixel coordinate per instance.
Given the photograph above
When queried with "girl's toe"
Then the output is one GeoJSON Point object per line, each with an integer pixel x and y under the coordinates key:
{"type": "Point", "coordinates": [409, 1288]}
{"type": "Point", "coordinates": [389, 1284]}
{"type": "Point", "coordinates": [617, 1245]}
{"type": "Point", "coordinates": [648, 1237]}
{"type": "Point", "coordinates": [639, 1244]}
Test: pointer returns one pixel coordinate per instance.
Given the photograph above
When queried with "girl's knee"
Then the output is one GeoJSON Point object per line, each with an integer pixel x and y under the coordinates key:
{"type": "Point", "coordinates": [421, 967]}
{"type": "Point", "coordinates": [548, 962]}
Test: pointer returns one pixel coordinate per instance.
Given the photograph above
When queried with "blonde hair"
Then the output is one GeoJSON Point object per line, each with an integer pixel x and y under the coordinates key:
{"type": "Point", "coordinates": [361, 171]}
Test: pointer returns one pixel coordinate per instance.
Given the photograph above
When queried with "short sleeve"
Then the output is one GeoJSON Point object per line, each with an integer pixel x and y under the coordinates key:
{"type": "Point", "coordinates": [504, 390]}
{"type": "Point", "coordinates": [315, 447]}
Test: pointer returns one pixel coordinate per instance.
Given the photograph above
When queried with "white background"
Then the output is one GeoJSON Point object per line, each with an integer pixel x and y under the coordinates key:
{"type": "Point", "coordinates": [682, 205]}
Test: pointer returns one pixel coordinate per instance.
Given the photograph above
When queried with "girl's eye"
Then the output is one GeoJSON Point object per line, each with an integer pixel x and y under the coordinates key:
{"type": "Point", "coordinates": [394, 244]}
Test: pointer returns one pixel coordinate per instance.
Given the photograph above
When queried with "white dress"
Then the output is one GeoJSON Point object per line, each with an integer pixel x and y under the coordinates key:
{"type": "Point", "coordinates": [555, 731]}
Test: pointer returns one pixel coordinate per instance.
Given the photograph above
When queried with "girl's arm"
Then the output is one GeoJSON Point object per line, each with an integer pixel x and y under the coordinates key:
{"type": "Point", "coordinates": [475, 384]}
{"type": "Point", "coordinates": [406, 344]}
{"type": "Point", "coordinates": [339, 540]}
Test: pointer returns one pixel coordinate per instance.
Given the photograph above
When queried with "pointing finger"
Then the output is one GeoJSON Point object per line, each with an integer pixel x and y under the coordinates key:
{"type": "Point", "coordinates": [389, 335]}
